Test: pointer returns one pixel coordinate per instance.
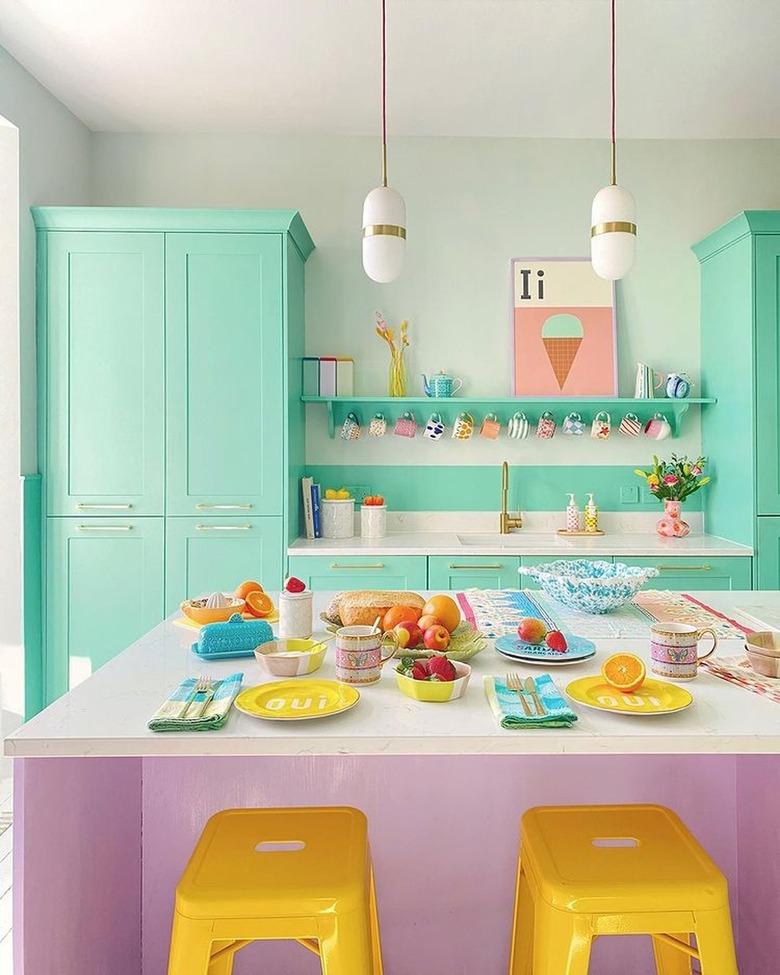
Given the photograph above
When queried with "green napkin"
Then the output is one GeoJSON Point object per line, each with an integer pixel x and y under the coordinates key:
{"type": "Point", "coordinates": [166, 718]}
{"type": "Point", "coordinates": [508, 710]}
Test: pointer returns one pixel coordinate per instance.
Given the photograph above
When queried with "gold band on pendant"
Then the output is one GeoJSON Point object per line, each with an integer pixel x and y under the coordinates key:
{"type": "Point", "coordinates": [384, 230]}
{"type": "Point", "coordinates": [613, 227]}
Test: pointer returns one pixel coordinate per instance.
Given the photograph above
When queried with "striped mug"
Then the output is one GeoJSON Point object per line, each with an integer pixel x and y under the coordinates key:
{"type": "Point", "coordinates": [518, 426]}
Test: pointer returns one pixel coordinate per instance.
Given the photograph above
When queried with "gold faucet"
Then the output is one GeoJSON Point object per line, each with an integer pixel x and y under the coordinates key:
{"type": "Point", "coordinates": [506, 524]}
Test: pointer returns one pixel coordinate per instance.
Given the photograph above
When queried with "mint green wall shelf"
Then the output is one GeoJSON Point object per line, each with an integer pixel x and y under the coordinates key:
{"type": "Point", "coordinates": [674, 409]}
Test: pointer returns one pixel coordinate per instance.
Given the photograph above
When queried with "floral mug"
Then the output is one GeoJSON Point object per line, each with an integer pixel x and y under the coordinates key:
{"type": "Point", "coordinates": [674, 649]}
{"type": "Point", "coordinates": [350, 429]}
{"type": "Point", "coordinates": [546, 428]}
{"type": "Point", "coordinates": [359, 657]}
{"type": "Point", "coordinates": [405, 425]}
{"type": "Point", "coordinates": [601, 426]}
{"type": "Point", "coordinates": [463, 427]}
{"type": "Point", "coordinates": [378, 425]}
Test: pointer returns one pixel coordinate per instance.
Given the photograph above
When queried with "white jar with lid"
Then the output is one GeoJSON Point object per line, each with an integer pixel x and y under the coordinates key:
{"type": "Point", "coordinates": [338, 517]}
{"type": "Point", "coordinates": [295, 615]}
{"type": "Point", "coordinates": [373, 520]}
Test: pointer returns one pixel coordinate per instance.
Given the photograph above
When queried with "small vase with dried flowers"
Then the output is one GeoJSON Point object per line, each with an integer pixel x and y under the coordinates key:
{"type": "Point", "coordinates": [396, 384]}
{"type": "Point", "coordinates": [672, 481]}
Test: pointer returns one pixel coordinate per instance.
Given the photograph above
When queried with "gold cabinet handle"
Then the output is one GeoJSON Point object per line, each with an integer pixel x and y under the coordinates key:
{"type": "Point", "coordinates": [103, 507]}
{"type": "Point", "coordinates": [370, 565]}
{"type": "Point", "coordinates": [223, 507]}
{"type": "Point", "coordinates": [486, 565]}
{"type": "Point", "coordinates": [224, 528]}
{"type": "Point", "coordinates": [105, 528]}
{"type": "Point", "coordinates": [684, 568]}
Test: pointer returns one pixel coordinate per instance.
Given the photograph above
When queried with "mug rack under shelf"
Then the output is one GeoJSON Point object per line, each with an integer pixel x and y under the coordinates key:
{"type": "Point", "coordinates": [587, 406]}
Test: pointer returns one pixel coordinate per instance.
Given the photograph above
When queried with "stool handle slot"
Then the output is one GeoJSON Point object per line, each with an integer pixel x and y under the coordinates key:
{"type": "Point", "coordinates": [614, 841]}
{"type": "Point", "coordinates": [279, 846]}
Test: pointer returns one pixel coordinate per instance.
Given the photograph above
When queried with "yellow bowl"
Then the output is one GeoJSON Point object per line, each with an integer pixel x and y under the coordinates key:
{"type": "Point", "coordinates": [436, 690]}
{"type": "Point", "coordinates": [198, 612]}
{"type": "Point", "coordinates": [291, 658]}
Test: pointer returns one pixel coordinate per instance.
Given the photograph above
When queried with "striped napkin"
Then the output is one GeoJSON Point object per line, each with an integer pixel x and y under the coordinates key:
{"type": "Point", "coordinates": [166, 718]}
{"type": "Point", "coordinates": [509, 713]}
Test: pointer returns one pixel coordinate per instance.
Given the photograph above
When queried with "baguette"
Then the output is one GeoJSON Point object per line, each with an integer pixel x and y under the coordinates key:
{"type": "Point", "coordinates": [361, 608]}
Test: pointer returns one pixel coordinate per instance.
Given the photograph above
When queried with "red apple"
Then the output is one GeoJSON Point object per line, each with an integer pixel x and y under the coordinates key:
{"type": "Point", "coordinates": [437, 637]}
{"type": "Point", "coordinates": [531, 630]}
{"type": "Point", "coordinates": [425, 622]}
{"type": "Point", "coordinates": [407, 634]}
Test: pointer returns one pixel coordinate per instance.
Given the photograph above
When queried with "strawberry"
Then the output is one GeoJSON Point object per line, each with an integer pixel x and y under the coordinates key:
{"type": "Point", "coordinates": [420, 670]}
{"type": "Point", "coordinates": [441, 668]}
{"type": "Point", "coordinates": [294, 585]}
{"type": "Point", "coordinates": [555, 640]}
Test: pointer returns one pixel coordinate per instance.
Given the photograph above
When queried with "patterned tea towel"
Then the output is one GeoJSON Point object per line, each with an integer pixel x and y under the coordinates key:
{"type": "Point", "coordinates": [738, 671]}
{"type": "Point", "coordinates": [508, 710]}
{"type": "Point", "coordinates": [167, 717]}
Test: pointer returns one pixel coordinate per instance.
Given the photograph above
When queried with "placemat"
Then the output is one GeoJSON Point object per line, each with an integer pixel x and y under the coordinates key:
{"type": "Point", "coordinates": [737, 670]}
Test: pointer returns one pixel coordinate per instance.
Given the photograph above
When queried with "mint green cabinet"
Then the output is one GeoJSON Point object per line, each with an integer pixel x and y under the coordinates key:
{"type": "Point", "coordinates": [768, 565]}
{"type": "Point", "coordinates": [102, 318]}
{"type": "Point", "coordinates": [683, 573]}
{"type": "Point", "coordinates": [360, 572]}
{"type": "Point", "coordinates": [473, 571]}
{"type": "Point", "coordinates": [104, 589]}
{"type": "Point", "coordinates": [224, 341]}
{"type": "Point", "coordinates": [767, 319]}
{"type": "Point", "coordinates": [526, 582]}
{"type": "Point", "coordinates": [207, 554]}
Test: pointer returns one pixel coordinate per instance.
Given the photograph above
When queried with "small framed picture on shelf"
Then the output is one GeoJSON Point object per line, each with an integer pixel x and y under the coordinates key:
{"type": "Point", "coordinates": [563, 328]}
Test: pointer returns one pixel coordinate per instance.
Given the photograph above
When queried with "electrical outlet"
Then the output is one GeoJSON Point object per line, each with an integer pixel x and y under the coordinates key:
{"type": "Point", "coordinates": [359, 491]}
{"type": "Point", "coordinates": [629, 494]}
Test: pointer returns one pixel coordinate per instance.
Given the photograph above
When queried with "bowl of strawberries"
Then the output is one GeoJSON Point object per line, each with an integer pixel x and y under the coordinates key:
{"type": "Point", "coordinates": [434, 679]}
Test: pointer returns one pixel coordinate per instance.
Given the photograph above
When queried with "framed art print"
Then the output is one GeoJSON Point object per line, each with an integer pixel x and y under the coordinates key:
{"type": "Point", "coordinates": [563, 323]}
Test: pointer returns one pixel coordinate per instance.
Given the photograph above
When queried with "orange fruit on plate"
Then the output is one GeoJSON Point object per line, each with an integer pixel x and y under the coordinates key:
{"type": "Point", "coordinates": [399, 614]}
{"type": "Point", "coordinates": [259, 603]}
{"type": "Point", "coordinates": [624, 671]}
{"type": "Point", "coordinates": [245, 588]}
{"type": "Point", "coordinates": [445, 609]}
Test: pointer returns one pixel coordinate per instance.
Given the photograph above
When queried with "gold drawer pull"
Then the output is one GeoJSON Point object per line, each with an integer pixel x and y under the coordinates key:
{"type": "Point", "coordinates": [684, 568]}
{"type": "Point", "coordinates": [487, 565]}
{"type": "Point", "coordinates": [103, 507]}
{"type": "Point", "coordinates": [105, 528]}
{"type": "Point", "coordinates": [223, 507]}
{"type": "Point", "coordinates": [224, 528]}
{"type": "Point", "coordinates": [370, 565]}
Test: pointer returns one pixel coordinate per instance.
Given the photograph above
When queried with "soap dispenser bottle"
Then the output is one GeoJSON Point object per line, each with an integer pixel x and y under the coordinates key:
{"type": "Point", "coordinates": [591, 516]}
{"type": "Point", "coordinates": [572, 515]}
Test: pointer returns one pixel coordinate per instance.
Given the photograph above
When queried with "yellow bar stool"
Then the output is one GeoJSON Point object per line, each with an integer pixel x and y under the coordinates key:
{"type": "Point", "coordinates": [587, 871]}
{"type": "Point", "coordinates": [303, 874]}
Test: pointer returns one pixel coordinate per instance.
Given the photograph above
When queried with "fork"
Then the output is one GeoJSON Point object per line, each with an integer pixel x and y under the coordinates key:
{"type": "Point", "coordinates": [514, 683]}
{"type": "Point", "coordinates": [202, 686]}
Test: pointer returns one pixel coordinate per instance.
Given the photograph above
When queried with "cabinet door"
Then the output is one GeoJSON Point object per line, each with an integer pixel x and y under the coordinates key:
{"type": "Point", "coordinates": [473, 571]}
{"type": "Point", "coordinates": [204, 555]}
{"type": "Point", "coordinates": [528, 583]}
{"type": "Point", "coordinates": [767, 311]}
{"type": "Point", "coordinates": [104, 380]}
{"type": "Point", "coordinates": [360, 572]}
{"type": "Point", "coordinates": [225, 384]}
{"type": "Point", "coordinates": [104, 589]}
{"type": "Point", "coordinates": [691, 573]}
{"type": "Point", "coordinates": [768, 554]}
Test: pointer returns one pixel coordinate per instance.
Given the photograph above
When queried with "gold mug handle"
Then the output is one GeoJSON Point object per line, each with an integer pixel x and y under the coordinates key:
{"type": "Point", "coordinates": [391, 639]}
{"type": "Point", "coordinates": [714, 635]}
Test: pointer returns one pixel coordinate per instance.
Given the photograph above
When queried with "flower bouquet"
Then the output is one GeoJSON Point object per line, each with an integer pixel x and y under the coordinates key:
{"type": "Point", "coordinates": [397, 378]}
{"type": "Point", "coordinates": [672, 481]}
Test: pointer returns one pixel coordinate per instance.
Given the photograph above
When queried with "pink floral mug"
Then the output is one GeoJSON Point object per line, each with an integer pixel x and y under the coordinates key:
{"type": "Point", "coordinates": [359, 657]}
{"type": "Point", "coordinates": [674, 649]}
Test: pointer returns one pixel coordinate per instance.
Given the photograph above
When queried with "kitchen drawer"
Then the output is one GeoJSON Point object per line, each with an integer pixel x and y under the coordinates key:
{"type": "Point", "coordinates": [360, 571]}
{"type": "Point", "coordinates": [690, 573]}
{"type": "Point", "coordinates": [526, 582]}
{"type": "Point", "coordinates": [478, 571]}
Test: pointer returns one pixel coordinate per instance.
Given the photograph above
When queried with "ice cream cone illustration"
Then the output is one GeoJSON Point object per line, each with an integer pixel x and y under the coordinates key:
{"type": "Point", "coordinates": [562, 336]}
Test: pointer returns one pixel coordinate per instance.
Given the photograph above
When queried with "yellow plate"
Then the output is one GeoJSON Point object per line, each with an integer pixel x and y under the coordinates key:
{"type": "Point", "coordinates": [653, 697]}
{"type": "Point", "coordinates": [297, 700]}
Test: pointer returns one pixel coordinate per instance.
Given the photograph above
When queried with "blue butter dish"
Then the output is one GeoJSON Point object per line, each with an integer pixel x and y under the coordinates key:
{"type": "Point", "coordinates": [235, 637]}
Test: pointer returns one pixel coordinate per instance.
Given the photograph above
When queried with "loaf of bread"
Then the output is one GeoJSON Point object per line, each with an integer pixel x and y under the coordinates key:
{"type": "Point", "coordinates": [361, 608]}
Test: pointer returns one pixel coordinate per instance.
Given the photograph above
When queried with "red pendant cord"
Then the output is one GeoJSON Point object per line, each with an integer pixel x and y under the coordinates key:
{"type": "Point", "coordinates": [612, 130]}
{"type": "Point", "coordinates": [384, 95]}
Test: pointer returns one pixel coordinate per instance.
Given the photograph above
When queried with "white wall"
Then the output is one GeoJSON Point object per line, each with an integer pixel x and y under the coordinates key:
{"type": "Point", "coordinates": [472, 204]}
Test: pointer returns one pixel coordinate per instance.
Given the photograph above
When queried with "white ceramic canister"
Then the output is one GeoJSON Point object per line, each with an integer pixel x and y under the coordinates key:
{"type": "Point", "coordinates": [295, 615]}
{"type": "Point", "coordinates": [338, 517]}
{"type": "Point", "coordinates": [373, 520]}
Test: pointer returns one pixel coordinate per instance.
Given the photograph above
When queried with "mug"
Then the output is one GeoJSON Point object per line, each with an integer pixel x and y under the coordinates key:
{"type": "Point", "coordinates": [678, 385]}
{"type": "Point", "coordinates": [359, 658]}
{"type": "Point", "coordinates": [378, 425]}
{"type": "Point", "coordinates": [647, 381]}
{"type": "Point", "coordinates": [630, 425]}
{"type": "Point", "coordinates": [350, 429]}
{"type": "Point", "coordinates": [674, 649]}
{"type": "Point", "coordinates": [658, 428]}
{"type": "Point", "coordinates": [434, 428]}
{"type": "Point", "coordinates": [573, 425]}
{"type": "Point", "coordinates": [463, 426]}
{"type": "Point", "coordinates": [490, 427]}
{"type": "Point", "coordinates": [518, 426]}
{"type": "Point", "coordinates": [546, 428]}
{"type": "Point", "coordinates": [601, 426]}
{"type": "Point", "coordinates": [405, 425]}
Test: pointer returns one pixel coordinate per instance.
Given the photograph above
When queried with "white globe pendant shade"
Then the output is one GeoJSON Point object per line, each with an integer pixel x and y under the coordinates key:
{"type": "Point", "coordinates": [612, 232]}
{"type": "Point", "coordinates": [384, 234]}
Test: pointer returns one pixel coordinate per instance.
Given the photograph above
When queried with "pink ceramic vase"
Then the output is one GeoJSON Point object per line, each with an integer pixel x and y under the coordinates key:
{"type": "Point", "coordinates": [671, 525]}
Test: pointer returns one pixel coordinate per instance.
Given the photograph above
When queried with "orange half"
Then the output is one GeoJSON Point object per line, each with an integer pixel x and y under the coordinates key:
{"type": "Point", "coordinates": [259, 603]}
{"type": "Point", "coordinates": [625, 671]}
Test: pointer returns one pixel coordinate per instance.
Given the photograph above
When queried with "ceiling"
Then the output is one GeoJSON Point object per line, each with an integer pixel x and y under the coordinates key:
{"type": "Point", "coordinates": [687, 68]}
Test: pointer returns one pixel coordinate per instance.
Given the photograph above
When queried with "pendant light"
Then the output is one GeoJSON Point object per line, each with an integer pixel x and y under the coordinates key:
{"type": "Point", "coordinates": [384, 212]}
{"type": "Point", "coordinates": [613, 215]}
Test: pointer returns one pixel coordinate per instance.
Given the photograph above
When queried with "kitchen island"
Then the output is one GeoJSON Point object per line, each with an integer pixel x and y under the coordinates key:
{"type": "Point", "coordinates": [107, 812]}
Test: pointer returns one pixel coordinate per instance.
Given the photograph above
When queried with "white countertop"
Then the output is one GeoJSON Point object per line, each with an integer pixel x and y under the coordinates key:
{"type": "Point", "coordinates": [107, 714]}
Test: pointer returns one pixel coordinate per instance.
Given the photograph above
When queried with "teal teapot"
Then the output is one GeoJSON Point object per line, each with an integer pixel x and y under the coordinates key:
{"type": "Point", "coordinates": [441, 386]}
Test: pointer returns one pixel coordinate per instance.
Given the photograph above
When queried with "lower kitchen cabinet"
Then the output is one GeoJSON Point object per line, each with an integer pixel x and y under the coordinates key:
{"type": "Point", "coordinates": [104, 589]}
{"type": "Point", "coordinates": [768, 553]}
{"type": "Point", "coordinates": [361, 572]}
{"type": "Point", "coordinates": [698, 572]}
{"type": "Point", "coordinates": [203, 555]}
{"type": "Point", "coordinates": [473, 571]}
{"type": "Point", "coordinates": [526, 582]}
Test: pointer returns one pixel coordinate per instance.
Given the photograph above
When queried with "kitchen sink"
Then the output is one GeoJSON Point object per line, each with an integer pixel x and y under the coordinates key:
{"type": "Point", "coordinates": [491, 540]}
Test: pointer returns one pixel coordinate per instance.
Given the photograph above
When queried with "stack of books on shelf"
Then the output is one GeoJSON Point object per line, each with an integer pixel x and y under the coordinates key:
{"type": "Point", "coordinates": [328, 375]}
{"type": "Point", "coordinates": [311, 507]}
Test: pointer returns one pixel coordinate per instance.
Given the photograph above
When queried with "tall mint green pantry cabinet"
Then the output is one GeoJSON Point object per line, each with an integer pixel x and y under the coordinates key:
{"type": "Point", "coordinates": [171, 433]}
{"type": "Point", "coordinates": [740, 341]}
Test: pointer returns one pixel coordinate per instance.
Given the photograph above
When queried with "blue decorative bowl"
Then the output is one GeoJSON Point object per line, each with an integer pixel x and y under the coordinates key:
{"type": "Point", "coordinates": [593, 587]}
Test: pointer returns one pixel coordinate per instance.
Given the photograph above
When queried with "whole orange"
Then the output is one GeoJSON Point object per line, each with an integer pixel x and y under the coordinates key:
{"type": "Point", "coordinates": [445, 609]}
{"type": "Point", "coordinates": [245, 588]}
{"type": "Point", "coordinates": [399, 614]}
